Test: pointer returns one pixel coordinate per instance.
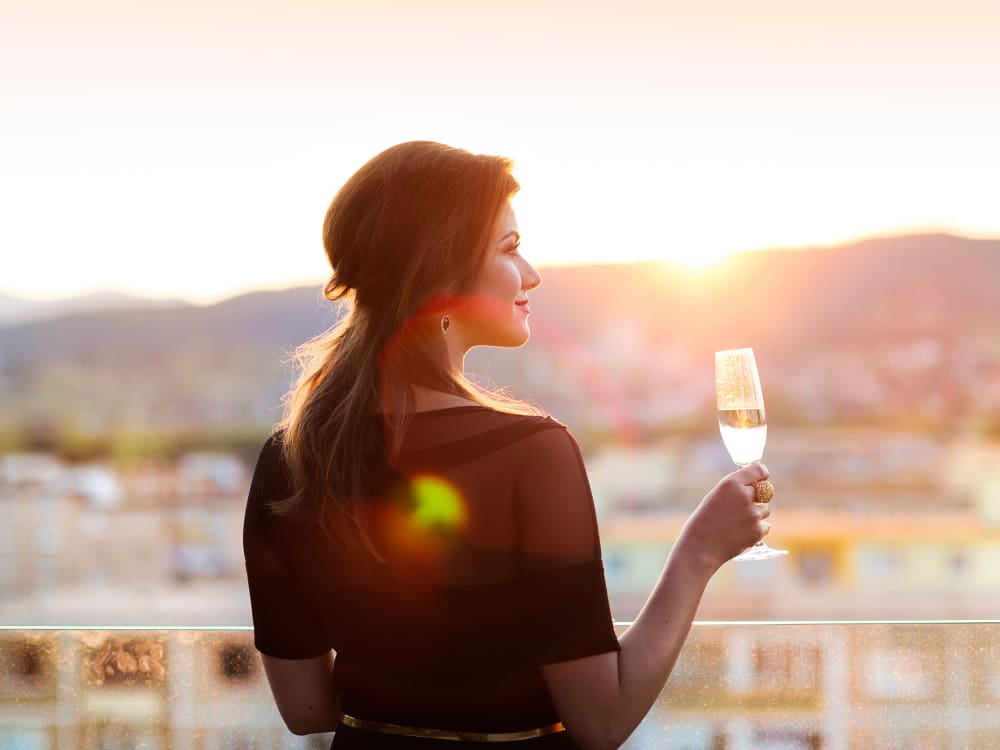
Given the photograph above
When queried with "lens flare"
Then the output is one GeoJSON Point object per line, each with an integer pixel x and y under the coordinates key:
{"type": "Point", "coordinates": [437, 504]}
{"type": "Point", "coordinates": [422, 521]}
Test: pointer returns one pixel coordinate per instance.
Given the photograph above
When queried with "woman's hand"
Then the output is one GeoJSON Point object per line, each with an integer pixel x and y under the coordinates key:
{"type": "Point", "coordinates": [728, 519]}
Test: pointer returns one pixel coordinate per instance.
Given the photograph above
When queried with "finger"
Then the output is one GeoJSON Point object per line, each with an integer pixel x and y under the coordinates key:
{"type": "Point", "coordinates": [763, 510]}
{"type": "Point", "coordinates": [754, 473]}
{"type": "Point", "coordinates": [765, 527]}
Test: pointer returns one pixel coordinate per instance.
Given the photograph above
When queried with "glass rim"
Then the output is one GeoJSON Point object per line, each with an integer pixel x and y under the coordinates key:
{"type": "Point", "coordinates": [734, 351]}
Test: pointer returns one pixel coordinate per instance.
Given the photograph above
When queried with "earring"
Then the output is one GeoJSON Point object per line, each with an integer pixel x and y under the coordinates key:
{"type": "Point", "coordinates": [445, 323]}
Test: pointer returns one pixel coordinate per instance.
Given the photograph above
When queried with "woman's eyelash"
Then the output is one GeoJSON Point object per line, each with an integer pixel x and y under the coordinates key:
{"type": "Point", "coordinates": [515, 247]}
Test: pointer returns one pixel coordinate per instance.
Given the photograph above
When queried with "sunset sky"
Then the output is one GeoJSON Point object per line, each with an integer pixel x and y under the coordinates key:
{"type": "Point", "coordinates": [190, 148]}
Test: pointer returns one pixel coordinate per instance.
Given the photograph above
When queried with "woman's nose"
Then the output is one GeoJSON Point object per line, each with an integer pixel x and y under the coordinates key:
{"type": "Point", "coordinates": [531, 278]}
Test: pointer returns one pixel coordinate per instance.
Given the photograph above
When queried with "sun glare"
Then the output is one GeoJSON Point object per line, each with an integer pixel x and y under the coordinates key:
{"type": "Point", "coordinates": [699, 260]}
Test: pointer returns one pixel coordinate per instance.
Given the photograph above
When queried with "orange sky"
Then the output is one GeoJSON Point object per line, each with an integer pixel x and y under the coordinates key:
{"type": "Point", "coordinates": [190, 148]}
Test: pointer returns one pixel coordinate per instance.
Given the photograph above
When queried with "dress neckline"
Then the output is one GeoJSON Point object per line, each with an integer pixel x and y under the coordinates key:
{"type": "Point", "coordinates": [443, 409]}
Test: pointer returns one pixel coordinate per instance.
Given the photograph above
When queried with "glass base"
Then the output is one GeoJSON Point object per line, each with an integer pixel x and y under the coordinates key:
{"type": "Point", "coordinates": [760, 551]}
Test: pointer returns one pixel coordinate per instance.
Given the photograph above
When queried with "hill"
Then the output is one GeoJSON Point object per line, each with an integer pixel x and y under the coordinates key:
{"type": "Point", "coordinates": [17, 310]}
{"type": "Point", "coordinates": [641, 332]}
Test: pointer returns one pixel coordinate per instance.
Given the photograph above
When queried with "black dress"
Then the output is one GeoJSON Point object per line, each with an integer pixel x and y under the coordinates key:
{"type": "Point", "coordinates": [493, 568]}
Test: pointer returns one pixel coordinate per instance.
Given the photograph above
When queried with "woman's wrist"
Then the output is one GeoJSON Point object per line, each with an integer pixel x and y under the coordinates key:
{"type": "Point", "coordinates": [696, 554]}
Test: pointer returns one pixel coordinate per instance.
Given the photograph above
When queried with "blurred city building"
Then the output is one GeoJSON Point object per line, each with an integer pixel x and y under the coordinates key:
{"type": "Point", "coordinates": [157, 543]}
{"type": "Point", "coordinates": [879, 524]}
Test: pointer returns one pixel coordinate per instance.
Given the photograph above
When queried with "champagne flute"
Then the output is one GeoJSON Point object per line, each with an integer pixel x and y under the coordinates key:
{"type": "Point", "coordinates": [741, 421]}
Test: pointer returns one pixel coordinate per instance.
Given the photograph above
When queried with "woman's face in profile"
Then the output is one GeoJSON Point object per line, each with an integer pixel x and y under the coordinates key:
{"type": "Point", "coordinates": [498, 313]}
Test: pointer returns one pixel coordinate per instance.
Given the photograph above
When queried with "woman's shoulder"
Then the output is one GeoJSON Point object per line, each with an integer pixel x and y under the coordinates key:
{"type": "Point", "coordinates": [270, 453]}
{"type": "Point", "coordinates": [271, 474]}
{"type": "Point", "coordinates": [456, 436]}
{"type": "Point", "coordinates": [488, 418]}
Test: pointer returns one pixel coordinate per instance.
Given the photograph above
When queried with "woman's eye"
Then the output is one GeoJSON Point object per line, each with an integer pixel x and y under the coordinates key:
{"type": "Point", "coordinates": [513, 249]}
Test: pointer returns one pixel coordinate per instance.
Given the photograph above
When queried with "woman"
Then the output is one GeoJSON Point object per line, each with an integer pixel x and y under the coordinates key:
{"type": "Point", "coordinates": [423, 556]}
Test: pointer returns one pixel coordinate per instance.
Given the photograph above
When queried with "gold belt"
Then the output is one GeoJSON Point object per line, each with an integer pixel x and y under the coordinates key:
{"type": "Point", "coordinates": [448, 734]}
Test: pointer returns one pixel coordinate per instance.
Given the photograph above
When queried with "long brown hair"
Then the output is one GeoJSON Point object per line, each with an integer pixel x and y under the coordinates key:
{"type": "Point", "coordinates": [408, 233]}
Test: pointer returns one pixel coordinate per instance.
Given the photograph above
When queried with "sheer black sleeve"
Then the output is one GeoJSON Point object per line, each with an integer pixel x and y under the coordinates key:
{"type": "Point", "coordinates": [284, 624]}
{"type": "Point", "coordinates": [566, 594]}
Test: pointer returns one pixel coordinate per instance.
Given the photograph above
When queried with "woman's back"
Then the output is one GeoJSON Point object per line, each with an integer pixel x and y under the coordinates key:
{"type": "Point", "coordinates": [491, 569]}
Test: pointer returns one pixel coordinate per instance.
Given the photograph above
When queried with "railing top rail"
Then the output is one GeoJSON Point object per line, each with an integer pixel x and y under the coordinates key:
{"type": "Point", "coordinates": [617, 624]}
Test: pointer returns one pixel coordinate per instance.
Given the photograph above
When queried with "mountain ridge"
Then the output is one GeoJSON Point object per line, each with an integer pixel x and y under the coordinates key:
{"type": "Point", "coordinates": [15, 310]}
{"type": "Point", "coordinates": [830, 292]}
{"type": "Point", "coordinates": [902, 325]}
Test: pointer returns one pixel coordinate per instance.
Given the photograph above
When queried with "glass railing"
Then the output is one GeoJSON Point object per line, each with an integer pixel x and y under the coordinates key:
{"type": "Point", "coordinates": [737, 685]}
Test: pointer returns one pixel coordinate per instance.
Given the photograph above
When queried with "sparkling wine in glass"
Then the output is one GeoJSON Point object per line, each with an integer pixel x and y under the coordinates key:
{"type": "Point", "coordinates": [742, 421]}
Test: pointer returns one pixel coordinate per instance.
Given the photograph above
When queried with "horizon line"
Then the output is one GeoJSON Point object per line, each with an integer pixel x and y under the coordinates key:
{"type": "Point", "coordinates": [214, 299]}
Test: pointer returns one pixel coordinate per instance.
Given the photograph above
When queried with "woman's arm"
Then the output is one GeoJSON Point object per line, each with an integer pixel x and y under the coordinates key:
{"type": "Point", "coordinates": [303, 689]}
{"type": "Point", "coordinates": [284, 623]}
{"type": "Point", "coordinates": [602, 698]}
